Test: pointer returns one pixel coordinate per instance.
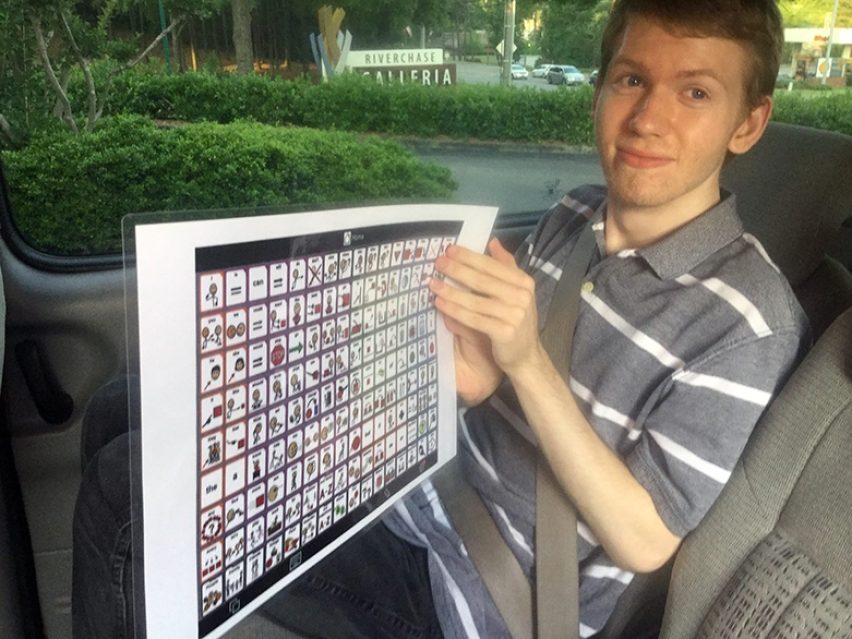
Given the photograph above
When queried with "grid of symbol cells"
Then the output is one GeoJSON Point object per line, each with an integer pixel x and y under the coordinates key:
{"type": "Point", "coordinates": [317, 386]}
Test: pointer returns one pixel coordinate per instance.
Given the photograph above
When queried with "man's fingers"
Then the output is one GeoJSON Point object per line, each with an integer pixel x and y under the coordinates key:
{"type": "Point", "coordinates": [508, 306]}
{"type": "Point", "coordinates": [506, 271]}
{"type": "Point", "coordinates": [482, 282]}
{"type": "Point", "coordinates": [462, 331]}
{"type": "Point", "coordinates": [499, 253]}
{"type": "Point", "coordinates": [489, 326]}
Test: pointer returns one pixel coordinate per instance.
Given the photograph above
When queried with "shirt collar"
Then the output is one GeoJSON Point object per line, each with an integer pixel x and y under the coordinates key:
{"type": "Point", "coordinates": [691, 244]}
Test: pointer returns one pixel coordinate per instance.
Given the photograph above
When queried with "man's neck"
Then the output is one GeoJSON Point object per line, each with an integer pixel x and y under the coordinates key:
{"type": "Point", "coordinates": [635, 227]}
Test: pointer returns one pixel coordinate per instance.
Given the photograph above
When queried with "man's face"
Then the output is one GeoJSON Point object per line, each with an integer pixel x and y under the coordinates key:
{"type": "Point", "coordinates": [666, 113]}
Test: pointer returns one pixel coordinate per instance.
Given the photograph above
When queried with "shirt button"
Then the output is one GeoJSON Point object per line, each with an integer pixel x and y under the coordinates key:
{"type": "Point", "coordinates": [588, 287]}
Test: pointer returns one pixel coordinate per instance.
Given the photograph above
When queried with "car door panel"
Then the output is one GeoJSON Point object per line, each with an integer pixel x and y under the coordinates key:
{"type": "Point", "coordinates": [76, 322]}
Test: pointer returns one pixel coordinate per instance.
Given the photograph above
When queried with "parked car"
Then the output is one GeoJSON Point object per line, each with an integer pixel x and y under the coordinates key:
{"type": "Point", "coordinates": [565, 74]}
{"type": "Point", "coordinates": [593, 77]}
{"type": "Point", "coordinates": [541, 71]}
{"type": "Point", "coordinates": [519, 72]}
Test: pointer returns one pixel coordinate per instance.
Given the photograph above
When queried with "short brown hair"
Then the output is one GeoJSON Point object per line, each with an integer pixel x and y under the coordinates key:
{"type": "Point", "coordinates": [754, 23]}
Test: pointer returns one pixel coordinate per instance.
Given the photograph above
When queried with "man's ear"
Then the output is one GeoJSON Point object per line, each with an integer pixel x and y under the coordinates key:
{"type": "Point", "coordinates": [597, 95]}
{"type": "Point", "coordinates": [751, 128]}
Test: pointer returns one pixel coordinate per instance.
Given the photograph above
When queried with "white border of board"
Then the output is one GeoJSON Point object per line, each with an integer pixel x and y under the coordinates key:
{"type": "Point", "coordinates": [166, 289]}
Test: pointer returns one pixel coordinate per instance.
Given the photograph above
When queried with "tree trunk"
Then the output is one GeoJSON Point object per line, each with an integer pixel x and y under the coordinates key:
{"type": "Point", "coordinates": [241, 11]}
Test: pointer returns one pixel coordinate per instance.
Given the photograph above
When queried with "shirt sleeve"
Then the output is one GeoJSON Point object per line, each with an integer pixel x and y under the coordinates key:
{"type": "Point", "coordinates": [693, 437]}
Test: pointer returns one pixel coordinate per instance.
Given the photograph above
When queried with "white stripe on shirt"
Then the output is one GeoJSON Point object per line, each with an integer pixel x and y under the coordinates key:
{"type": "Point", "coordinates": [603, 411]}
{"type": "Point", "coordinates": [733, 297]}
{"type": "Point", "coordinates": [751, 239]}
{"type": "Point", "coordinates": [515, 420]}
{"type": "Point", "coordinates": [709, 469]}
{"type": "Point", "coordinates": [434, 501]}
{"type": "Point", "coordinates": [586, 533]}
{"type": "Point", "coordinates": [577, 206]}
{"type": "Point", "coordinates": [545, 267]}
{"type": "Point", "coordinates": [643, 341]}
{"type": "Point", "coordinates": [514, 532]}
{"type": "Point", "coordinates": [488, 468]}
{"type": "Point", "coordinates": [465, 616]}
{"type": "Point", "coordinates": [724, 386]}
{"type": "Point", "coordinates": [607, 572]}
{"type": "Point", "coordinates": [586, 631]}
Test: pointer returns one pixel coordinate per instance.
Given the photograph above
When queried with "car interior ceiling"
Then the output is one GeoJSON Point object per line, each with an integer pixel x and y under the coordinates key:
{"type": "Point", "coordinates": [795, 196]}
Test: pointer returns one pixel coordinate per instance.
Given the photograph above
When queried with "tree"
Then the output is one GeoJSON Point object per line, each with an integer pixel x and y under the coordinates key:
{"type": "Point", "coordinates": [241, 12]}
{"type": "Point", "coordinates": [571, 31]}
{"type": "Point", "coordinates": [815, 13]}
{"type": "Point", "coordinates": [63, 41]}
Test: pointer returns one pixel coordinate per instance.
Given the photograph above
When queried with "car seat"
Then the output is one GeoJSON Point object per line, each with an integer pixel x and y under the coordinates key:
{"type": "Point", "coordinates": [794, 195]}
{"type": "Point", "coordinates": [773, 558]}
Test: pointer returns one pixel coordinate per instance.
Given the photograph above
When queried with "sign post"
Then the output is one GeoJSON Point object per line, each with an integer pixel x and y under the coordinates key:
{"type": "Point", "coordinates": [508, 42]}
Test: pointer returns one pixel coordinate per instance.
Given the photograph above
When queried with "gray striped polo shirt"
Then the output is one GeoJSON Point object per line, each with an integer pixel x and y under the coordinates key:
{"type": "Point", "coordinates": [677, 350]}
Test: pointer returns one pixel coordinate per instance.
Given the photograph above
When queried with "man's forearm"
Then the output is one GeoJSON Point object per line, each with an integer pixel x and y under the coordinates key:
{"type": "Point", "coordinates": [610, 500]}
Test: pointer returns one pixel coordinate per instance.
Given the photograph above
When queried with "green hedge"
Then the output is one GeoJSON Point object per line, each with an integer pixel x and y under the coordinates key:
{"type": "Point", "coordinates": [829, 110]}
{"type": "Point", "coordinates": [70, 191]}
{"type": "Point", "coordinates": [353, 103]}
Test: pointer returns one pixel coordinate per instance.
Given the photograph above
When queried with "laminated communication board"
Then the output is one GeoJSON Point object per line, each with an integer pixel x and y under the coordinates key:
{"type": "Point", "coordinates": [295, 380]}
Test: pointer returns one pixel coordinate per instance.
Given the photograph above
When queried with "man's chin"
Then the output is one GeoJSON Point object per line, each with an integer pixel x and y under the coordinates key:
{"type": "Point", "coordinates": [640, 194]}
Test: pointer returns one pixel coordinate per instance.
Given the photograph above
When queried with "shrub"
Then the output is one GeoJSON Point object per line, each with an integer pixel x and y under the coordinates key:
{"type": "Point", "coordinates": [354, 103]}
{"type": "Point", "coordinates": [70, 191]}
{"type": "Point", "coordinates": [829, 110]}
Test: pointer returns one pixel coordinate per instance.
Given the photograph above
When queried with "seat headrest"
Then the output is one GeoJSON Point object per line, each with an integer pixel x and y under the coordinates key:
{"type": "Point", "coordinates": [794, 193]}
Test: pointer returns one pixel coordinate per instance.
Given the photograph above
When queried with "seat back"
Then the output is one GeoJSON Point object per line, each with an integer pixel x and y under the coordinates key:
{"type": "Point", "coordinates": [773, 558]}
{"type": "Point", "coordinates": [793, 194]}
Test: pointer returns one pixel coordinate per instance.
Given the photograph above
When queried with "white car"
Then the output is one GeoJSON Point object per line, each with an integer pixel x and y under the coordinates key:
{"type": "Point", "coordinates": [565, 74]}
{"type": "Point", "coordinates": [519, 72]}
{"type": "Point", "coordinates": [541, 71]}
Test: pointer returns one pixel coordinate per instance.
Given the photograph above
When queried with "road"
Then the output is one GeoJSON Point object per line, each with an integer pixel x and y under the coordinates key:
{"type": "Point", "coordinates": [516, 180]}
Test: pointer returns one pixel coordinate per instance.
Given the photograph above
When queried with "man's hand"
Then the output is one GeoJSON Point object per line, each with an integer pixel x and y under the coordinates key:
{"type": "Point", "coordinates": [477, 375]}
{"type": "Point", "coordinates": [496, 310]}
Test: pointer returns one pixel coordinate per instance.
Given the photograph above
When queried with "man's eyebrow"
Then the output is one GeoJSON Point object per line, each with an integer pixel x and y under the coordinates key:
{"type": "Point", "coordinates": [629, 62]}
{"type": "Point", "coordinates": [708, 73]}
{"type": "Point", "coordinates": [686, 73]}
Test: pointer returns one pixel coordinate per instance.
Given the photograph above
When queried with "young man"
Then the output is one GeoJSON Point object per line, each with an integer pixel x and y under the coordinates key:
{"type": "Point", "coordinates": [684, 332]}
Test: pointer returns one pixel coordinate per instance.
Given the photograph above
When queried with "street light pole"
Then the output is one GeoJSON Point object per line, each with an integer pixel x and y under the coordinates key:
{"type": "Point", "coordinates": [508, 42]}
{"type": "Point", "coordinates": [830, 42]}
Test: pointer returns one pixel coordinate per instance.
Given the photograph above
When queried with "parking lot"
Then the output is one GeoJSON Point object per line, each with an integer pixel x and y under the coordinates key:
{"type": "Point", "coordinates": [480, 73]}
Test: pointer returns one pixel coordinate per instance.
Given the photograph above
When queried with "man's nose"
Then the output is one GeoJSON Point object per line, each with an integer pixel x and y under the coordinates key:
{"type": "Point", "coordinates": [652, 113]}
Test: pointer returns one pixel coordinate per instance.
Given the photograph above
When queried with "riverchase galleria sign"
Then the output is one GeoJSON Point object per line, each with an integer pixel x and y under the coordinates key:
{"type": "Point", "coordinates": [404, 66]}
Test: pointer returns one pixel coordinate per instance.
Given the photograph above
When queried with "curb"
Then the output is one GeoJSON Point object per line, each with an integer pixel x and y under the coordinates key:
{"type": "Point", "coordinates": [426, 145]}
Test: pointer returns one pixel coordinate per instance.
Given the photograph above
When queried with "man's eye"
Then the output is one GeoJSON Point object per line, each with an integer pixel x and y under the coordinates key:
{"type": "Point", "coordinates": [698, 94]}
{"type": "Point", "coordinates": [631, 81]}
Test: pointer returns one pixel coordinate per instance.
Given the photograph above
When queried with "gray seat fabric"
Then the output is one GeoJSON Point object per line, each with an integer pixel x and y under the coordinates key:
{"type": "Point", "coordinates": [773, 558]}
{"type": "Point", "coordinates": [794, 194]}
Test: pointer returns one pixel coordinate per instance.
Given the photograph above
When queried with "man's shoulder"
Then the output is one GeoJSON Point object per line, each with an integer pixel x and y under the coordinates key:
{"type": "Point", "coordinates": [570, 214]}
{"type": "Point", "coordinates": [581, 201]}
{"type": "Point", "coordinates": [745, 275]}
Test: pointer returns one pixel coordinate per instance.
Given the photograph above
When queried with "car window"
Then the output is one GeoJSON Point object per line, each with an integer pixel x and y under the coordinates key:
{"type": "Point", "coordinates": [107, 109]}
